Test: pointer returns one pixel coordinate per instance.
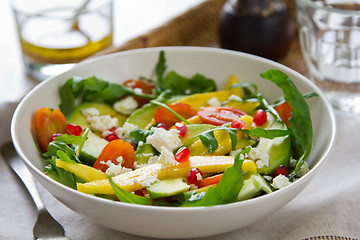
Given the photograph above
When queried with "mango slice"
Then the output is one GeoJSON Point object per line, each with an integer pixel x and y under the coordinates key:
{"type": "Point", "coordinates": [83, 171]}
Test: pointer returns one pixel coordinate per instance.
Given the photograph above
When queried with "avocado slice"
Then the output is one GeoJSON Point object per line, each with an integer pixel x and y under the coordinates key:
{"type": "Point", "coordinates": [278, 149]}
{"type": "Point", "coordinates": [143, 153]}
{"type": "Point", "coordinates": [167, 188]}
{"type": "Point", "coordinates": [254, 185]}
{"type": "Point", "coordinates": [195, 129]}
{"type": "Point", "coordinates": [143, 116]}
{"type": "Point", "coordinates": [78, 118]}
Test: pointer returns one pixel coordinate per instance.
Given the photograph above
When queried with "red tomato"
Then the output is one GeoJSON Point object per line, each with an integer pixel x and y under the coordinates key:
{"type": "Point", "coordinates": [163, 116]}
{"type": "Point", "coordinates": [219, 115]}
{"type": "Point", "coordinates": [112, 151]}
{"type": "Point", "coordinates": [284, 110]}
{"type": "Point", "coordinates": [146, 87]}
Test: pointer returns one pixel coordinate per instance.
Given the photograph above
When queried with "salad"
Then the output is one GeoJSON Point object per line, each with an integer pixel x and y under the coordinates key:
{"type": "Point", "coordinates": [175, 141]}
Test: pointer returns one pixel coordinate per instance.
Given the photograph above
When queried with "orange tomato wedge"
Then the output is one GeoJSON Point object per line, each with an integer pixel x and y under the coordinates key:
{"type": "Point", "coordinates": [284, 110]}
{"type": "Point", "coordinates": [48, 122]}
{"type": "Point", "coordinates": [112, 151]}
{"type": "Point", "coordinates": [163, 116]}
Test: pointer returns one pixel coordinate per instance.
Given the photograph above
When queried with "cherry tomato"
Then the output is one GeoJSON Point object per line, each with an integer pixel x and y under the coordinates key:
{"type": "Point", "coordinates": [146, 87]}
{"type": "Point", "coordinates": [48, 122]}
{"type": "Point", "coordinates": [112, 151]}
{"type": "Point", "coordinates": [219, 115]}
{"type": "Point", "coordinates": [163, 116]}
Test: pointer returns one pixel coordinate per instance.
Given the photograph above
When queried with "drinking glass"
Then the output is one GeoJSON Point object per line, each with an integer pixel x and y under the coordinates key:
{"type": "Point", "coordinates": [329, 33]}
{"type": "Point", "coordinates": [56, 34]}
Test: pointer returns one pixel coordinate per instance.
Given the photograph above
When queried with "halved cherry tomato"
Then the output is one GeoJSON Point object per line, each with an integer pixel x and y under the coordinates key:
{"type": "Point", "coordinates": [209, 180]}
{"type": "Point", "coordinates": [284, 110]}
{"type": "Point", "coordinates": [112, 151]}
{"type": "Point", "coordinates": [219, 115]}
{"type": "Point", "coordinates": [163, 116]}
{"type": "Point", "coordinates": [48, 122]}
{"type": "Point", "coordinates": [146, 87]}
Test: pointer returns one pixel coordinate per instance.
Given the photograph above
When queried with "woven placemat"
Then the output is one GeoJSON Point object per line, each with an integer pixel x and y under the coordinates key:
{"type": "Point", "coordinates": [199, 27]}
{"type": "Point", "coordinates": [329, 237]}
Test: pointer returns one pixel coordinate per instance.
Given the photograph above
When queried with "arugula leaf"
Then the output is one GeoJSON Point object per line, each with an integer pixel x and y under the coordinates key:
{"type": "Point", "coordinates": [64, 144]}
{"type": "Point", "coordinates": [249, 89]}
{"type": "Point", "coordinates": [160, 67]}
{"type": "Point", "coordinates": [56, 146]}
{"type": "Point", "coordinates": [70, 139]}
{"type": "Point", "coordinates": [306, 96]}
{"type": "Point", "coordinates": [300, 122]}
{"type": "Point", "coordinates": [125, 196]}
{"type": "Point", "coordinates": [226, 191]}
{"type": "Point", "coordinates": [180, 85]}
{"type": "Point", "coordinates": [208, 139]}
{"type": "Point", "coordinates": [267, 133]}
{"type": "Point", "coordinates": [61, 175]}
{"type": "Point", "coordinates": [140, 135]}
{"type": "Point", "coordinates": [233, 137]}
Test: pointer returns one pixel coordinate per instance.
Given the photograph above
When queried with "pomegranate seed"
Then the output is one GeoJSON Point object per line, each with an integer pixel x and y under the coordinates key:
{"type": "Point", "coordinates": [113, 129]}
{"type": "Point", "coordinates": [73, 129]}
{"type": "Point", "coordinates": [182, 154]}
{"type": "Point", "coordinates": [54, 136]}
{"type": "Point", "coordinates": [281, 170]}
{"type": "Point", "coordinates": [260, 117]}
{"type": "Point", "coordinates": [238, 124]}
{"type": "Point", "coordinates": [163, 126]}
{"type": "Point", "coordinates": [182, 128]}
{"type": "Point", "coordinates": [111, 137]}
{"type": "Point", "coordinates": [193, 175]}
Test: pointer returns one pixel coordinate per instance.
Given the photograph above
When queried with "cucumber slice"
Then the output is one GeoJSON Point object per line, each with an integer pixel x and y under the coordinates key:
{"type": "Point", "coordinates": [167, 188]}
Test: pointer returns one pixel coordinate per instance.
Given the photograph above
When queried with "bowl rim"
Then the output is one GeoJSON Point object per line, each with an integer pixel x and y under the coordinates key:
{"type": "Point", "coordinates": [324, 154]}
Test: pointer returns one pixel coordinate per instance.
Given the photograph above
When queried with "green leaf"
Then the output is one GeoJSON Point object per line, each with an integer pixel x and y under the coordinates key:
{"type": "Point", "coordinates": [266, 133]}
{"type": "Point", "coordinates": [208, 139]}
{"type": "Point", "coordinates": [70, 139]}
{"type": "Point", "coordinates": [160, 67]}
{"type": "Point", "coordinates": [249, 89]}
{"type": "Point", "coordinates": [140, 135]}
{"type": "Point", "coordinates": [306, 96]}
{"type": "Point", "coordinates": [233, 137]}
{"type": "Point", "coordinates": [67, 98]}
{"type": "Point", "coordinates": [127, 197]}
{"type": "Point", "coordinates": [61, 175]}
{"type": "Point", "coordinates": [63, 157]}
{"type": "Point", "coordinates": [300, 122]}
{"type": "Point", "coordinates": [56, 146]}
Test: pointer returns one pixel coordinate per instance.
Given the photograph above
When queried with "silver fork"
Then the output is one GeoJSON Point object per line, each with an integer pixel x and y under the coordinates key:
{"type": "Point", "coordinates": [46, 227]}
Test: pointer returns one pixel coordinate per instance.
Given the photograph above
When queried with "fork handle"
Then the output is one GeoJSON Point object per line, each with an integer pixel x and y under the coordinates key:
{"type": "Point", "coordinates": [23, 173]}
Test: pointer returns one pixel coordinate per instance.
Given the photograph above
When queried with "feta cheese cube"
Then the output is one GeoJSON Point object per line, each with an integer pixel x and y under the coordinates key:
{"type": "Point", "coordinates": [163, 138]}
{"type": "Point", "coordinates": [126, 106]}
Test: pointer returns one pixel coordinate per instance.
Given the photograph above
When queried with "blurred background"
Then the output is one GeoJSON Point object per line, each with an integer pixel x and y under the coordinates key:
{"type": "Point", "coordinates": [131, 18]}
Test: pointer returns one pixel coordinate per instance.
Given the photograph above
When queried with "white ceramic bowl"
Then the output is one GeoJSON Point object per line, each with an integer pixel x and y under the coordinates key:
{"type": "Point", "coordinates": [167, 222]}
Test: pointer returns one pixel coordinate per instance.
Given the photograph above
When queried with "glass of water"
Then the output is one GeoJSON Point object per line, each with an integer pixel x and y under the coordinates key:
{"type": "Point", "coordinates": [329, 33]}
{"type": "Point", "coordinates": [56, 34]}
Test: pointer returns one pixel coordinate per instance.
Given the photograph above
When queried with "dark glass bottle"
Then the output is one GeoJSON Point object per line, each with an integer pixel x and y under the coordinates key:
{"type": "Point", "coordinates": [259, 27]}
